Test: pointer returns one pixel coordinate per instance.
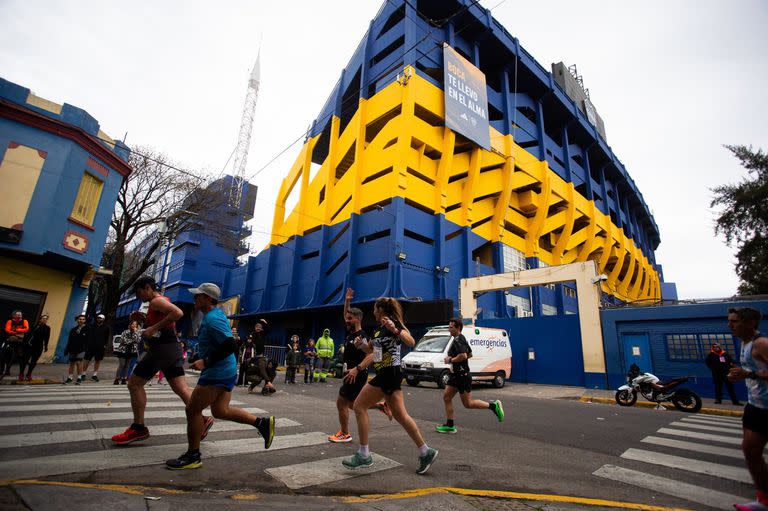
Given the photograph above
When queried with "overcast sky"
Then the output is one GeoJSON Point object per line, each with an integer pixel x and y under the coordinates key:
{"type": "Point", "coordinates": [673, 81]}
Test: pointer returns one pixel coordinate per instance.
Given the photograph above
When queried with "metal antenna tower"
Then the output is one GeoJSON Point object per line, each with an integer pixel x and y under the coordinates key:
{"type": "Point", "coordinates": [244, 137]}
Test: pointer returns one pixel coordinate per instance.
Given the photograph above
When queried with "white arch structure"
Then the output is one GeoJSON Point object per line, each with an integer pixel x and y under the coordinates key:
{"type": "Point", "coordinates": [588, 283]}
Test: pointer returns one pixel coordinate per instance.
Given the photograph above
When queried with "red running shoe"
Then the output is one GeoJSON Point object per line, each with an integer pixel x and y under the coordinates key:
{"type": "Point", "coordinates": [131, 435]}
{"type": "Point", "coordinates": [207, 425]}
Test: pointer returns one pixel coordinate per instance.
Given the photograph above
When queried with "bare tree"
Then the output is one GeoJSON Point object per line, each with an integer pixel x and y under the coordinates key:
{"type": "Point", "coordinates": [155, 194]}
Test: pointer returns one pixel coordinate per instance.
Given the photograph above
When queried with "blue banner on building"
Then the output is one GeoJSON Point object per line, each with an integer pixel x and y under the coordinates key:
{"type": "Point", "coordinates": [466, 100]}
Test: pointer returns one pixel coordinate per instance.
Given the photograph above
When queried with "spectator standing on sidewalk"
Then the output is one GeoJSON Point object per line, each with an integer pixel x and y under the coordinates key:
{"type": "Point", "coordinates": [310, 356]}
{"type": "Point", "coordinates": [743, 323]}
{"type": "Point", "coordinates": [292, 359]}
{"type": "Point", "coordinates": [126, 350]}
{"type": "Point", "coordinates": [15, 330]}
{"type": "Point", "coordinates": [719, 363]}
{"type": "Point", "coordinates": [355, 370]}
{"type": "Point", "coordinates": [35, 344]}
{"type": "Point", "coordinates": [218, 366]}
{"type": "Point", "coordinates": [75, 350]}
{"type": "Point", "coordinates": [97, 345]}
{"type": "Point", "coordinates": [460, 379]}
{"type": "Point", "coordinates": [384, 352]}
{"type": "Point", "coordinates": [246, 354]}
{"type": "Point", "coordinates": [325, 349]}
{"type": "Point", "coordinates": [259, 353]}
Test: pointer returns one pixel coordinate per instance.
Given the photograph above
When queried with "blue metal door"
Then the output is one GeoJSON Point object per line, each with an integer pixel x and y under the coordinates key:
{"type": "Point", "coordinates": [637, 350]}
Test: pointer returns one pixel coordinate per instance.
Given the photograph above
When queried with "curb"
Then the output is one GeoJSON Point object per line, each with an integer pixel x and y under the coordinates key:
{"type": "Point", "coordinates": [647, 404]}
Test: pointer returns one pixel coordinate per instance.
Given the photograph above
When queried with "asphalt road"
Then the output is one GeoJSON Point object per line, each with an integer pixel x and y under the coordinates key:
{"type": "Point", "coordinates": [550, 446]}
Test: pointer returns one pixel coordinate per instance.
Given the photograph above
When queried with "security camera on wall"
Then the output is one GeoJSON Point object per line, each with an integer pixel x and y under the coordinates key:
{"type": "Point", "coordinates": [600, 278]}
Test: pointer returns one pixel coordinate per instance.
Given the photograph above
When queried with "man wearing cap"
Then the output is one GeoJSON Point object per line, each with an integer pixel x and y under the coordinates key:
{"type": "Point", "coordinates": [97, 343]}
{"type": "Point", "coordinates": [218, 366]}
{"type": "Point", "coordinates": [720, 362]}
{"type": "Point", "coordinates": [164, 354]}
{"type": "Point", "coordinates": [259, 353]}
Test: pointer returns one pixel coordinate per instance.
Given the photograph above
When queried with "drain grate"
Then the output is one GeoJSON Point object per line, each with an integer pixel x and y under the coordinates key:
{"type": "Point", "coordinates": [463, 468]}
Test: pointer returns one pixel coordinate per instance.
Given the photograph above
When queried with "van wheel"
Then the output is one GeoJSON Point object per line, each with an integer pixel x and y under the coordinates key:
{"type": "Point", "coordinates": [442, 381]}
{"type": "Point", "coordinates": [498, 380]}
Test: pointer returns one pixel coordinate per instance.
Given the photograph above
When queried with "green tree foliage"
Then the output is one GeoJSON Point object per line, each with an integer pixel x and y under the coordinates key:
{"type": "Point", "coordinates": [743, 219]}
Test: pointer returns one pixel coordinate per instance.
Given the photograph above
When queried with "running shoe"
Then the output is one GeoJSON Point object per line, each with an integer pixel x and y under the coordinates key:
{"type": "Point", "coordinates": [498, 410]}
{"type": "Point", "coordinates": [266, 429]}
{"type": "Point", "coordinates": [186, 460]}
{"type": "Point", "coordinates": [28, 378]}
{"type": "Point", "coordinates": [116, 382]}
{"type": "Point", "coordinates": [340, 437]}
{"type": "Point", "coordinates": [357, 461]}
{"type": "Point", "coordinates": [426, 461]}
{"type": "Point", "coordinates": [384, 408]}
{"type": "Point", "coordinates": [130, 435]}
{"type": "Point", "coordinates": [68, 381]}
{"type": "Point", "coordinates": [77, 381]}
{"type": "Point", "coordinates": [95, 378]}
{"type": "Point", "coordinates": [207, 425]}
{"type": "Point", "coordinates": [445, 428]}
{"type": "Point", "coordinates": [21, 377]}
{"type": "Point", "coordinates": [755, 505]}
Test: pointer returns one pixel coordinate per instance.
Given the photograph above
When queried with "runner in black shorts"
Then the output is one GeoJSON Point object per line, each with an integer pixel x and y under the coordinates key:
{"type": "Point", "coordinates": [164, 354]}
{"type": "Point", "coordinates": [356, 375]}
{"type": "Point", "coordinates": [460, 379]}
{"type": "Point", "coordinates": [384, 351]}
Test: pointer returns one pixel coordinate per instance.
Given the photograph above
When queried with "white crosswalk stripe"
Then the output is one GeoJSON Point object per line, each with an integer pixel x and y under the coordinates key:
{"type": "Point", "coordinates": [75, 424]}
{"type": "Point", "coordinates": [706, 447]}
{"type": "Point", "coordinates": [693, 493]}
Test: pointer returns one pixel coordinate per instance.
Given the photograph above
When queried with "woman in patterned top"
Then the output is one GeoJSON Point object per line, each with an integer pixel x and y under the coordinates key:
{"type": "Point", "coordinates": [384, 352]}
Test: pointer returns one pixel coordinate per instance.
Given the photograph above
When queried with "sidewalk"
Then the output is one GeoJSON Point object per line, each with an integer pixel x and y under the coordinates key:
{"type": "Point", "coordinates": [57, 373]}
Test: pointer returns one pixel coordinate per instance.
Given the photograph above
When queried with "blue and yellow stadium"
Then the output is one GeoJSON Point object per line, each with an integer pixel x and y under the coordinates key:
{"type": "Point", "coordinates": [389, 201]}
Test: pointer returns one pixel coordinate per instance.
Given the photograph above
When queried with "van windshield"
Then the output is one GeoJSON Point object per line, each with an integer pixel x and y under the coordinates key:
{"type": "Point", "coordinates": [433, 343]}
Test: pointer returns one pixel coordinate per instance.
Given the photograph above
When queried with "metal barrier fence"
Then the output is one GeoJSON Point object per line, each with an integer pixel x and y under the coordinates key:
{"type": "Point", "coordinates": [275, 352]}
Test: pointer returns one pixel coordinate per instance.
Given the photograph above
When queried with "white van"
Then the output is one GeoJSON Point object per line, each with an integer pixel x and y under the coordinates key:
{"type": "Point", "coordinates": [491, 356]}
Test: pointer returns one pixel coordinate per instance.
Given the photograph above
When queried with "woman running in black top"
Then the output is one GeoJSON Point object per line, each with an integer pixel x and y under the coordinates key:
{"type": "Point", "coordinates": [384, 350]}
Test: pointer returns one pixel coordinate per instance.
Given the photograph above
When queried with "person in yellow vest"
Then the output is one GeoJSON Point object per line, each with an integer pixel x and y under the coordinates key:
{"type": "Point", "coordinates": [325, 349]}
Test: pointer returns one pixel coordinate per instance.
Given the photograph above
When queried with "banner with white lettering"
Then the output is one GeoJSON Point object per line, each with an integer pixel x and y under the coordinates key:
{"type": "Point", "coordinates": [466, 99]}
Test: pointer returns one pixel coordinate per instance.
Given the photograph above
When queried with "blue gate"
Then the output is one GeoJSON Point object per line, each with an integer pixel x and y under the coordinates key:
{"type": "Point", "coordinates": [545, 349]}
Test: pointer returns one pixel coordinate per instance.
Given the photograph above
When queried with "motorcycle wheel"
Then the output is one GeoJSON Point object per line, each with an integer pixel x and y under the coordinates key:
{"type": "Point", "coordinates": [625, 397]}
{"type": "Point", "coordinates": [686, 401]}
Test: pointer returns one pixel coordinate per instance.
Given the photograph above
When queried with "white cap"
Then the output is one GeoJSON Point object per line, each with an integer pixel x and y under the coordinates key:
{"type": "Point", "coordinates": [207, 288]}
{"type": "Point", "coordinates": [100, 316]}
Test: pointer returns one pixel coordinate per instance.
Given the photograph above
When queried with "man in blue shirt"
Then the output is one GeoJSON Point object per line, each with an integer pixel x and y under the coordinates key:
{"type": "Point", "coordinates": [216, 349]}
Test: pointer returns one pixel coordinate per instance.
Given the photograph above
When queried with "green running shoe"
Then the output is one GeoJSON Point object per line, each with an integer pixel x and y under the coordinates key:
{"type": "Point", "coordinates": [357, 461]}
{"type": "Point", "coordinates": [185, 461]}
{"type": "Point", "coordinates": [426, 461]}
{"type": "Point", "coordinates": [446, 429]}
{"type": "Point", "coordinates": [498, 410]}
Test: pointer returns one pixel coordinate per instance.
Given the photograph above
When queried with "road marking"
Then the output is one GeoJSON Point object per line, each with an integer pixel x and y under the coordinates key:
{"type": "Point", "coordinates": [100, 416]}
{"type": "Point", "coordinates": [133, 456]}
{"type": "Point", "coordinates": [79, 389]}
{"type": "Point", "coordinates": [705, 427]}
{"type": "Point", "coordinates": [700, 436]}
{"type": "Point", "coordinates": [323, 471]}
{"type": "Point", "coordinates": [84, 435]}
{"type": "Point", "coordinates": [714, 418]}
{"type": "Point", "coordinates": [695, 420]}
{"type": "Point", "coordinates": [692, 446]}
{"type": "Point", "coordinates": [700, 467]}
{"type": "Point", "coordinates": [151, 403]}
{"type": "Point", "coordinates": [679, 489]}
{"type": "Point", "coordinates": [612, 504]}
{"type": "Point", "coordinates": [74, 397]}
{"type": "Point", "coordinates": [113, 404]}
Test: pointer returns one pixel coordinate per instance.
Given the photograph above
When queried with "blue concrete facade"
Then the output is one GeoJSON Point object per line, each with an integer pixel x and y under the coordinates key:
{"type": "Point", "coordinates": [701, 320]}
{"type": "Point", "coordinates": [72, 145]}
